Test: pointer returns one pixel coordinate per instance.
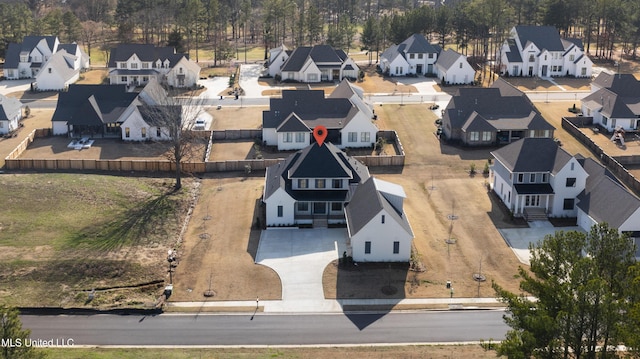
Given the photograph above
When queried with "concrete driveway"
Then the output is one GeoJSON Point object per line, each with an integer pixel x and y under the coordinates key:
{"type": "Point", "coordinates": [9, 86]}
{"type": "Point", "coordinates": [299, 256]}
{"type": "Point", "coordinates": [520, 238]}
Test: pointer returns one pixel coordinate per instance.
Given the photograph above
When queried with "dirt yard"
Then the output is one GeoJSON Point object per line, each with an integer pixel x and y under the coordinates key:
{"type": "Point", "coordinates": [236, 118]}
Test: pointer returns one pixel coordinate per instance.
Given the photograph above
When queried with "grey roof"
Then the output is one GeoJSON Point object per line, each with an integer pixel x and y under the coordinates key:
{"type": "Point", "coordinates": [319, 54]}
{"type": "Point", "coordinates": [92, 104]}
{"type": "Point", "coordinates": [614, 105]}
{"type": "Point", "coordinates": [61, 63]}
{"type": "Point", "coordinates": [12, 57]}
{"type": "Point", "coordinates": [532, 155]}
{"type": "Point", "coordinates": [312, 108]}
{"type": "Point", "coordinates": [293, 123]}
{"type": "Point", "coordinates": [448, 58]}
{"type": "Point", "coordinates": [502, 107]}
{"type": "Point", "coordinates": [621, 84]}
{"type": "Point", "coordinates": [416, 43]}
{"type": "Point", "coordinates": [146, 53]}
{"type": "Point", "coordinates": [391, 53]}
{"type": "Point", "coordinates": [326, 161]}
{"type": "Point", "coordinates": [367, 202]}
{"type": "Point", "coordinates": [513, 55]}
{"type": "Point", "coordinates": [544, 37]}
{"type": "Point", "coordinates": [9, 107]}
{"type": "Point", "coordinates": [536, 188]}
{"type": "Point", "coordinates": [605, 200]}
{"type": "Point", "coordinates": [160, 115]}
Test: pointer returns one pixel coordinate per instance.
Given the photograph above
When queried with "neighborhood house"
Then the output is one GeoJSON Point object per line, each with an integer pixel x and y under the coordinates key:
{"type": "Point", "coordinates": [492, 116]}
{"type": "Point", "coordinates": [613, 102]}
{"type": "Point", "coordinates": [454, 69]}
{"type": "Point", "coordinates": [413, 56]}
{"type": "Point", "coordinates": [10, 114]}
{"type": "Point", "coordinates": [320, 185]}
{"type": "Point", "coordinates": [311, 64]}
{"type": "Point", "coordinates": [540, 51]}
{"type": "Point", "coordinates": [290, 120]}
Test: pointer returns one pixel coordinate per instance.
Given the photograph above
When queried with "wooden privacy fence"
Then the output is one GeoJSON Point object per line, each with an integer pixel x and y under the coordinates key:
{"type": "Point", "coordinates": [612, 163]}
{"type": "Point", "coordinates": [13, 162]}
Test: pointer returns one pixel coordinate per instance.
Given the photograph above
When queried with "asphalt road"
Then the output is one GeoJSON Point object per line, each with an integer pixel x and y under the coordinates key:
{"type": "Point", "coordinates": [261, 329]}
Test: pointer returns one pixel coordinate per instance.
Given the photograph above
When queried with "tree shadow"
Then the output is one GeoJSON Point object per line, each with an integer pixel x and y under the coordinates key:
{"type": "Point", "coordinates": [501, 216]}
{"type": "Point", "coordinates": [384, 282]}
{"type": "Point", "coordinates": [256, 228]}
{"type": "Point", "coordinates": [129, 227]}
{"type": "Point", "coordinates": [465, 153]}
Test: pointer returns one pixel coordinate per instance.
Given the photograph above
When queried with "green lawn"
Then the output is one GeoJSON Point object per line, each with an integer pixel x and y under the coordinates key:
{"type": "Point", "coordinates": [64, 234]}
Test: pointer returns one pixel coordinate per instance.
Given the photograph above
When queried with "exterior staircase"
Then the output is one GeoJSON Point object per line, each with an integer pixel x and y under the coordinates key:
{"type": "Point", "coordinates": [320, 222]}
{"type": "Point", "coordinates": [535, 214]}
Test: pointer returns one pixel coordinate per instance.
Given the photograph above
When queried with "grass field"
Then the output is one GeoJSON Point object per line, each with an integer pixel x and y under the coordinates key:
{"type": "Point", "coordinates": [62, 235]}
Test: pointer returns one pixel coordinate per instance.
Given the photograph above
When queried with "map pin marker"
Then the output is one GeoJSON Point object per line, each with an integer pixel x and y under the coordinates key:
{"type": "Point", "coordinates": [320, 134]}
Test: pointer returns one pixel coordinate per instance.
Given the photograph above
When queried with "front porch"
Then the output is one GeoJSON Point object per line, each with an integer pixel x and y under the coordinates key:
{"type": "Point", "coordinates": [533, 205]}
{"type": "Point", "coordinates": [319, 214]}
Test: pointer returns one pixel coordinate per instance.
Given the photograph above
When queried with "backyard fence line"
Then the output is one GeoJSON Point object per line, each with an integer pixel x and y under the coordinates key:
{"type": "Point", "coordinates": [612, 164]}
{"type": "Point", "coordinates": [13, 162]}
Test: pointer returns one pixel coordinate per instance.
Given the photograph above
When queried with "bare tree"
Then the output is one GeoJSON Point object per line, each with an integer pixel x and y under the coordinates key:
{"type": "Point", "coordinates": [175, 117]}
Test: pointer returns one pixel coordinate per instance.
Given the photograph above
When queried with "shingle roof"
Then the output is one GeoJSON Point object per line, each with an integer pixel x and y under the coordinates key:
{"type": "Point", "coordinates": [448, 58]}
{"type": "Point", "coordinates": [160, 115]}
{"type": "Point", "coordinates": [12, 57]}
{"type": "Point", "coordinates": [62, 64]}
{"type": "Point", "coordinates": [326, 161]}
{"type": "Point", "coordinates": [416, 43]}
{"type": "Point", "coordinates": [9, 107]}
{"type": "Point", "coordinates": [293, 123]}
{"type": "Point", "coordinates": [367, 202]}
{"type": "Point", "coordinates": [319, 54]}
{"type": "Point", "coordinates": [532, 155]}
{"type": "Point", "coordinates": [513, 55]}
{"type": "Point", "coordinates": [87, 104]}
{"type": "Point", "coordinates": [614, 105]}
{"type": "Point", "coordinates": [145, 52]}
{"type": "Point", "coordinates": [544, 37]}
{"type": "Point", "coordinates": [605, 200]}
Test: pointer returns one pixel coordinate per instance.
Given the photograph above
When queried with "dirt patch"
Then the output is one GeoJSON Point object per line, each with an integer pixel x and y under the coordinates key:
{"type": "Point", "coordinates": [95, 76]}
{"type": "Point", "coordinates": [228, 118]}
{"type": "Point", "coordinates": [374, 82]}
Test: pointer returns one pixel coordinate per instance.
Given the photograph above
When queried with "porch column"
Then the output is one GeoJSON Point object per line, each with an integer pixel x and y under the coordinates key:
{"type": "Point", "coordinates": [517, 206]}
{"type": "Point", "coordinates": [546, 206]}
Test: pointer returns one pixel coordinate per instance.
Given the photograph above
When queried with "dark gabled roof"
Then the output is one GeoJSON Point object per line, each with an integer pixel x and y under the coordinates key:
{"type": "Point", "coordinates": [417, 44]}
{"type": "Point", "coordinates": [605, 200]}
{"type": "Point", "coordinates": [87, 104]}
{"type": "Point", "coordinates": [326, 161]}
{"type": "Point", "coordinates": [70, 48]}
{"type": "Point", "coordinates": [532, 155]}
{"type": "Point", "coordinates": [575, 41]}
{"type": "Point", "coordinates": [615, 105]}
{"type": "Point", "coordinates": [311, 107]}
{"type": "Point", "coordinates": [9, 106]}
{"type": "Point", "coordinates": [625, 85]}
{"type": "Point", "coordinates": [367, 202]}
{"type": "Point", "coordinates": [293, 123]}
{"type": "Point", "coordinates": [448, 58]}
{"type": "Point", "coordinates": [61, 63]}
{"type": "Point", "coordinates": [513, 55]}
{"type": "Point", "coordinates": [160, 115]}
{"type": "Point", "coordinates": [145, 52]}
{"type": "Point", "coordinates": [502, 107]}
{"type": "Point", "coordinates": [12, 57]}
{"type": "Point", "coordinates": [537, 188]}
{"type": "Point", "coordinates": [544, 37]}
{"type": "Point", "coordinates": [319, 54]}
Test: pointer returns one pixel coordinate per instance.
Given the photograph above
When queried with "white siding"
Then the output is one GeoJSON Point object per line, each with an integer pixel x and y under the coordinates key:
{"type": "Point", "coordinates": [585, 222]}
{"type": "Point", "coordinates": [59, 127]}
{"type": "Point", "coordinates": [632, 224]}
{"type": "Point", "coordinates": [381, 235]}
{"type": "Point", "coordinates": [269, 136]}
{"type": "Point", "coordinates": [562, 192]}
{"type": "Point", "coordinates": [360, 123]}
{"type": "Point", "coordinates": [280, 198]}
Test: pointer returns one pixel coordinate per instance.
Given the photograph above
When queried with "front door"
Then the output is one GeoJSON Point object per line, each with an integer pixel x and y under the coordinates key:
{"type": "Point", "coordinates": [530, 71]}
{"type": "Point", "coordinates": [430, 68]}
{"type": "Point", "coordinates": [544, 70]}
{"type": "Point", "coordinates": [319, 208]}
{"type": "Point", "coordinates": [419, 69]}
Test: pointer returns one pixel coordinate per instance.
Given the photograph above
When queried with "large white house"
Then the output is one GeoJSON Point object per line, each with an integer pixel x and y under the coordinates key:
{"type": "Point", "coordinates": [290, 120]}
{"type": "Point", "coordinates": [58, 72]}
{"type": "Point", "coordinates": [28, 58]}
{"type": "Point", "coordinates": [10, 114]}
{"type": "Point", "coordinates": [454, 69]}
{"type": "Point", "coordinates": [540, 51]}
{"type": "Point", "coordinates": [613, 102]}
{"type": "Point", "coordinates": [312, 64]}
{"type": "Point", "coordinates": [320, 185]}
{"type": "Point", "coordinates": [413, 56]}
{"type": "Point", "coordinates": [137, 64]}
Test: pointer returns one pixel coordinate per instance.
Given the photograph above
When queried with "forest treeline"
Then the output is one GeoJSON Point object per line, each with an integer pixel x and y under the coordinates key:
{"type": "Point", "coordinates": [476, 27]}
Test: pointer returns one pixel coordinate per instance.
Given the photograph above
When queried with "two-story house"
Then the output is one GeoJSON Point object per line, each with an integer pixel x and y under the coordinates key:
{"type": "Point", "coordinates": [320, 185]}
{"type": "Point", "coordinates": [290, 120]}
{"type": "Point", "coordinates": [539, 51]}
{"type": "Point", "coordinates": [26, 59]}
{"type": "Point", "coordinates": [10, 114]}
{"type": "Point", "coordinates": [492, 116]}
{"type": "Point", "coordinates": [613, 102]}
{"type": "Point", "coordinates": [413, 56]}
{"type": "Point", "coordinates": [136, 64]}
{"type": "Point", "coordinates": [535, 174]}
{"type": "Point", "coordinates": [453, 68]}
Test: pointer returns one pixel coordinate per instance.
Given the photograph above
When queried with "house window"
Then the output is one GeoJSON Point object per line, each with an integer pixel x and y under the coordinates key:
{"type": "Point", "coordinates": [287, 137]}
{"type": "Point", "coordinates": [312, 77]}
{"type": "Point", "coordinates": [486, 136]}
{"type": "Point", "coordinates": [336, 183]}
{"type": "Point", "coordinates": [336, 206]}
{"type": "Point", "coordinates": [571, 182]}
{"type": "Point", "coordinates": [545, 178]}
{"type": "Point", "coordinates": [320, 183]}
{"type": "Point", "coordinates": [412, 56]}
{"type": "Point", "coordinates": [604, 121]}
{"type": "Point", "coordinates": [568, 204]}
{"type": "Point", "coordinates": [583, 71]}
{"type": "Point", "coordinates": [430, 56]}
{"type": "Point", "coordinates": [365, 136]}
{"type": "Point", "coordinates": [145, 65]}
{"type": "Point", "coordinates": [280, 211]}
{"type": "Point", "coordinates": [399, 70]}
{"type": "Point", "coordinates": [532, 178]}
{"type": "Point", "coordinates": [531, 58]}
{"type": "Point", "coordinates": [367, 247]}
{"type": "Point", "coordinates": [382, 219]}
{"type": "Point", "coordinates": [299, 136]}
{"type": "Point", "coordinates": [396, 247]}
{"type": "Point", "coordinates": [572, 165]}
{"type": "Point", "coordinates": [520, 177]}
{"type": "Point", "coordinates": [547, 133]}
{"type": "Point", "coordinates": [474, 136]}
{"type": "Point", "coordinates": [180, 70]}
{"type": "Point", "coordinates": [1, 124]}
{"type": "Point", "coordinates": [127, 132]}
{"type": "Point", "coordinates": [420, 56]}
{"type": "Point", "coordinates": [158, 132]}
{"type": "Point", "coordinates": [49, 69]}
{"type": "Point", "coordinates": [145, 79]}
{"type": "Point", "coordinates": [515, 71]}
{"type": "Point", "coordinates": [613, 123]}
{"type": "Point", "coordinates": [123, 79]}
{"type": "Point", "coordinates": [461, 65]}
{"type": "Point", "coordinates": [353, 137]}
{"type": "Point", "coordinates": [123, 65]}
{"type": "Point", "coordinates": [134, 65]}
{"type": "Point", "coordinates": [303, 206]}
{"type": "Point", "coordinates": [559, 68]}
{"type": "Point", "coordinates": [572, 57]}
{"type": "Point", "coordinates": [303, 183]}
{"type": "Point", "coordinates": [143, 132]}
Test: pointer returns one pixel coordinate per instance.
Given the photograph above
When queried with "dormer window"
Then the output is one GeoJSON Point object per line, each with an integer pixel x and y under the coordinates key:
{"type": "Point", "coordinates": [337, 183]}
{"type": "Point", "coordinates": [134, 65]}
{"type": "Point", "coordinates": [320, 183]}
{"type": "Point", "coordinates": [303, 183]}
